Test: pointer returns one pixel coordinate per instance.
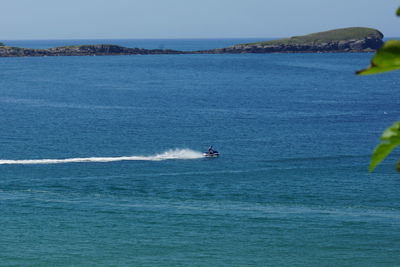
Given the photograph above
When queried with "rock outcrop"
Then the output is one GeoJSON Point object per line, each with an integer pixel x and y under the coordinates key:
{"type": "Point", "coordinates": [91, 50]}
{"type": "Point", "coordinates": [365, 45]}
{"type": "Point", "coordinates": [81, 50]}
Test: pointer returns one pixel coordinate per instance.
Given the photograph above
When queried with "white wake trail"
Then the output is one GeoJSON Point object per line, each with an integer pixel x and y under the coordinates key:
{"type": "Point", "coordinates": [170, 154]}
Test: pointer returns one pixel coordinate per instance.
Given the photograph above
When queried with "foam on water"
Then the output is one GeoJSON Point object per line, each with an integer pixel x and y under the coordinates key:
{"type": "Point", "coordinates": [170, 154]}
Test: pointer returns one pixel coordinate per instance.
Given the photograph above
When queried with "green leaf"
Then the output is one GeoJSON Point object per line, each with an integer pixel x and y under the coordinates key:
{"type": "Point", "coordinates": [389, 140]}
{"type": "Point", "coordinates": [398, 12]}
{"type": "Point", "coordinates": [387, 58]}
{"type": "Point", "coordinates": [398, 166]}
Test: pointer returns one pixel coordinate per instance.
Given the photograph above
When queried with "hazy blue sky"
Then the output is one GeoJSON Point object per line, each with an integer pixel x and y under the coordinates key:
{"type": "Point", "coordinates": [85, 19]}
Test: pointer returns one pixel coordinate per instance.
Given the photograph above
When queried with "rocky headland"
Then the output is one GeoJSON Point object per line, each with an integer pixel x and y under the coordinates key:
{"type": "Point", "coordinates": [356, 39]}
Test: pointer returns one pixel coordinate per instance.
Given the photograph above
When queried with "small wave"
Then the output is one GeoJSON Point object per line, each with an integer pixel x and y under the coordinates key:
{"type": "Point", "coordinates": [170, 154]}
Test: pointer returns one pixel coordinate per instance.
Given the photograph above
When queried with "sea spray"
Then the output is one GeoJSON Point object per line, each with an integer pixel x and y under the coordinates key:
{"type": "Point", "coordinates": [170, 154]}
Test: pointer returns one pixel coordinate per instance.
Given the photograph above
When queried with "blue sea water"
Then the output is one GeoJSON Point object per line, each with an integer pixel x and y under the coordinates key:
{"type": "Point", "coordinates": [291, 187]}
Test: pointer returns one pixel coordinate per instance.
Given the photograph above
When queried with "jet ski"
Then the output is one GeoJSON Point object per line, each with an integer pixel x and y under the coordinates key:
{"type": "Point", "coordinates": [214, 154]}
{"type": "Point", "coordinates": [211, 153]}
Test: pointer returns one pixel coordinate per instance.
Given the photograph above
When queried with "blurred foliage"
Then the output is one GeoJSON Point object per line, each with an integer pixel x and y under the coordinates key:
{"type": "Point", "coordinates": [389, 140]}
{"type": "Point", "coordinates": [387, 58]}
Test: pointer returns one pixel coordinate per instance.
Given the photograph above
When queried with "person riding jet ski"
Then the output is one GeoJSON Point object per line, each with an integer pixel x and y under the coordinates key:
{"type": "Point", "coordinates": [211, 153]}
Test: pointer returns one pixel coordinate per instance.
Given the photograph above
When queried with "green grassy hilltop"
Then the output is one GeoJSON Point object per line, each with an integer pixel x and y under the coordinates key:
{"type": "Point", "coordinates": [345, 34]}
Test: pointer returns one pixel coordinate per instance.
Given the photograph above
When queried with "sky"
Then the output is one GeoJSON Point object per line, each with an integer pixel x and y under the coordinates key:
{"type": "Point", "coordinates": [137, 19]}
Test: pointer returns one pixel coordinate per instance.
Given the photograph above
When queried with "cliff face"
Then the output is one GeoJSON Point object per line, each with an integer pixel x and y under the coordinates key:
{"type": "Point", "coordinates": [354, 39]}
{"type": "Point", "coordinates": [365, 45]}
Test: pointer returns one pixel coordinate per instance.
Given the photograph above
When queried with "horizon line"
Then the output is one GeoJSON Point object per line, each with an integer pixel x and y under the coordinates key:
{"type": "Point", "coordinates": [172, 38]}
{"type": "Point", "coordinates": [195, 38]}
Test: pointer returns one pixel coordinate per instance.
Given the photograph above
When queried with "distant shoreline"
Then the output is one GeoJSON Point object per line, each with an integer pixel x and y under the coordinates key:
{"type": "Point", "coordinates": [348, 40]}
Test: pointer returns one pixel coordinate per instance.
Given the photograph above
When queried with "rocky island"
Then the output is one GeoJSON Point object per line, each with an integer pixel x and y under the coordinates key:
{"type": "Point", "coordinates": [81, 50]}
{"type": "Point", "coordinates": [355, 39]}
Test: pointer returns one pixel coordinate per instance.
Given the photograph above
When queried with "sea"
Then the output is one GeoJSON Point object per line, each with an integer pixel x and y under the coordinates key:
{"type": "Point", "coordinates": [101, 159]}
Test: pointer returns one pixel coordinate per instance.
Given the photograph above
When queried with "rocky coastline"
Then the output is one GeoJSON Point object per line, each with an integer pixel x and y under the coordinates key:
{"type": "Point", "coordinates": [81, 50]}
{"type": "Point", "coordinates": [355, 46]}
{"type": "Point", "coordinates": [354, 39]}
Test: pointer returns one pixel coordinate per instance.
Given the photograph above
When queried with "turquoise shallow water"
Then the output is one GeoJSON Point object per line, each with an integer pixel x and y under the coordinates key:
{"type": "Point", "coordinates": [291, 187]}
